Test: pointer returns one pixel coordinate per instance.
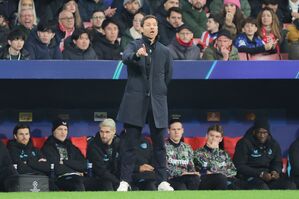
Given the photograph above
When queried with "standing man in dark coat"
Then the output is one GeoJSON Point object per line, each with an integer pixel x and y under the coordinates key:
{"type": "Point", "coordinates": [149, 65]}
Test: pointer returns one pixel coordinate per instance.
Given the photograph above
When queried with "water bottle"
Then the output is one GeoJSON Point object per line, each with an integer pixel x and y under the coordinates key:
{"type": "Point", "coordinates": [204, 168]}
{"type": "Point", "coordinates": [52, 171]}
{"type": "Point", "coordinates": [89, 169]}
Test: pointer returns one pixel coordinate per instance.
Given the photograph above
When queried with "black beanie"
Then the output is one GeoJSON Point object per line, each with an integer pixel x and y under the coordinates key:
{"type": "Point", "coordinates": [58, 123]}
{"type": "Point", "coordinates": [262, 123]}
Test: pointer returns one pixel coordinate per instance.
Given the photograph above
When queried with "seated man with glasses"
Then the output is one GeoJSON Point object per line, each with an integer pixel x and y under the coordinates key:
{"type": "Point", "coordinates": [96, 21]}
{"type": "Point", "coordinates": [258, 159]}
{"type": "Point", "coordinates": [182, 46]}
{"type": "Point", "coordinates": [222, 49]}
{"type": "Point", "coordinates": [66, 27]}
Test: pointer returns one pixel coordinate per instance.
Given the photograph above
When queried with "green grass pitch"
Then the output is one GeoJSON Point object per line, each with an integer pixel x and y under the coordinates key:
{"type": "Point", "coordinates": [157, 195]}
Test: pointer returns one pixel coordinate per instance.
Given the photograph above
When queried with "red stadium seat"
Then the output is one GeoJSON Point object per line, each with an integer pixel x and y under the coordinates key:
{"type": "Point", "coordinates": [38, 142]}
{"type": "Point", "coordinates": [262, 56]}
{"type": "Point", "coordinates": [243, 56]}
{"type": "Point", "coordinates": [4, 140]}
{"type": "Point", "coordinates": [284, 165]}
{"type": "Point", "coordinates": [195, 142]}
{"type": "Point", "coordinates": [81, 143]}
{"type": "Point", "coordinates": [230, 145]}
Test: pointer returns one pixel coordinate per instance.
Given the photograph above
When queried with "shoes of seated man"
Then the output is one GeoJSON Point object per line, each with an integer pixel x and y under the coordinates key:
{"type": "Point", "coordinates": [123, 186]}
{"type": "Point", "coordinates": [165, 186]}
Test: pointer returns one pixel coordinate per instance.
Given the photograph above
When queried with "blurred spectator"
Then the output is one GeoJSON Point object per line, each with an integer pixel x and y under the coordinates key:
{"type": "Point", "coordinates": [87, 7]}
{"type": "Point", "coordinates": [66, 27]}
{"type": "Point", "coordinates": [41, 43]}
{"type": "Point", "coordinates": [182, 46]}
{"type": "Point", "coordinates": [4, 30]}
{"type": "Point", "coordinates": [276, 5]}
{"type": "Point", "coordinates": [118, 4]}
{"type": "Point", "coordinates": [208, 37]}
{"type": "Point", "coordinates": [125, 16]}
{"type": "Point", "coordinates": [269, 28]}
{"type": "Point", "coordinates": [169, 27]}
{"type": "Point", "coordinates": [216, 6]}
{"type": "Point", "coordinates": [134, 32]}
{"type": "Point", "coordinates": [78, 47]}
{"type": "Point", "coordinates": [249, 41]}
{"type": "Point", "coordinates": [232, 16]}
{"type": "Point", "coordinates": [223, 48]}
{"type": "Point", "coordinates": [162, 11]}
{"type": "Point", "coordinates": [194, 16]}
{"type": "Point", "coordinates": [293, 38]}
{"type": "Point", "coordinates": [72, 6]}
{"type": "Point", "coordinates": [96, 21]}
{"type": "Point", "coordinates": [108, 47]}
{"type": "Point", "coordinates": [14, 49]}
{"type": "Point", "coordinates": [9, 8]}
{"type": "Point", "coordinates": [27, 21]}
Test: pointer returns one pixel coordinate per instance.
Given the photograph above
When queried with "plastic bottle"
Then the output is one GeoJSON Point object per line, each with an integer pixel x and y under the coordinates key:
{"type": "Point", "coordinates": [89, 169]}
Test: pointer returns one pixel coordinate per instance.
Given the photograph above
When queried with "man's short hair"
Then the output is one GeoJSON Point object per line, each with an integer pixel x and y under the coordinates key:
{"type": "Point", "coordinates": [148, 17]}
{"type": "Point", "coordinates": [108, 123]}
{"type": "Point", "coordinates": [107, 21]}
{"type": "Point", "coordinates": [249, 20]}
{"type": "Point", "coordinates": [174, 9]}
{"type": "Point", "coordinates": [217, 128]}
{"type": "Point", "coordinates": [45, 27]}
{"type": "Point", "coordinates": [78, 32]}
{"type": "Point", "coordinates": [15, 35]}
{"type": "Point", "coordinates": [20, 126]}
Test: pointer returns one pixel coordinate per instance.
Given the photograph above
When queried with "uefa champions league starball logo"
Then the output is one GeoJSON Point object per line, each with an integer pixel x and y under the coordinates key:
{"type": "Point", "coordinates": [35, 185]}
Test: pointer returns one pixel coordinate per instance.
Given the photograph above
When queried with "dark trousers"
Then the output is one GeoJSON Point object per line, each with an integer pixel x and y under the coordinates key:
{"type": "Point", "coordinates": [131, 139]}
{"type": "Point", "coordinates": [71, 183]}
{"type": "Point", "coordinates": [257, 183]}
{"type": "Point", "coordinates": [144, 186]}
{"type": "Point", "coordinates": [185, 182]}
{"type": "Point", "coordinates": [213, 182]}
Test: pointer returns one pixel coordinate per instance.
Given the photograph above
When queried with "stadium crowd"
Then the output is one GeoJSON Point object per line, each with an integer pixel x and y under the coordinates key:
{"type": "Point", "coordinates": [192, 29]}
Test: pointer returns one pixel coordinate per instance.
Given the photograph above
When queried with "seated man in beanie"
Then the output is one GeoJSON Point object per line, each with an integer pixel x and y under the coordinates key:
{"type": "Point", "coordinates": [182, 46]}
{"type": "Point", "coordinates": [69, 163]}
{"type": "Point", "coordinates": [29, 160]}
{"type": "Point", "coordinates": [41, 43]}
{"type": "Point", "coordinates": [103, 153]}
{"type": "Point", "coordinates": [179, 159]}
{"type": "Point", "coordinates": [258, 159]}
{"type": "Point", "coordinates": [223, 48]}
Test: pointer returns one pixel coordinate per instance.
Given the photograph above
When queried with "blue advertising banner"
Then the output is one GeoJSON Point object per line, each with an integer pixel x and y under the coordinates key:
{"type": "Point", "coordinates": [63, 69]}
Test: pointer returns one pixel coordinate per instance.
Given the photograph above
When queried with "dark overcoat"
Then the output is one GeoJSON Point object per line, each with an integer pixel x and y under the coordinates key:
{"type": "Point", "coordinates": [148, 78]}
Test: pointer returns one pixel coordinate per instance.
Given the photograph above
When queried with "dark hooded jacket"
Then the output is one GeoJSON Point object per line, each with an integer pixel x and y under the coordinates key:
{"type": "Point", "coordinates": [181, 52]}
{"type": "Point", "coordinates": [72, 52]}
{"type": "Point", "coordinates": [251, 158]}
{"type": "Point", "coordinates": [39, 50]}
{"type": "Point", "coordinates": [294, 160]}
{"type": "Point", "coordinates": [104, 158]}
{"type": "Point", "coordinates": [6, 167]}
{"type": "Point", "coordinates": [75, 162]}
{"type": "Point", "coordinates": [26, 157]}
{"type": "Point", "coordinates": [106, 50]}
{"type": "Point", "coordinates": [4, 54]}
